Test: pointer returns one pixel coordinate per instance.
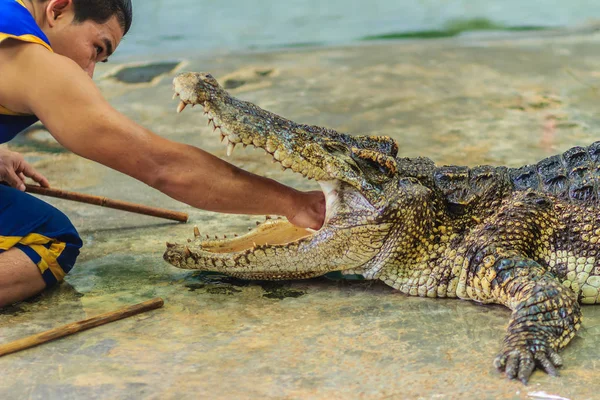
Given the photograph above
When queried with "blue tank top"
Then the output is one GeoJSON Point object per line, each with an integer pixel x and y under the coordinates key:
{"type": "Point", "coordinates": [16, 22]}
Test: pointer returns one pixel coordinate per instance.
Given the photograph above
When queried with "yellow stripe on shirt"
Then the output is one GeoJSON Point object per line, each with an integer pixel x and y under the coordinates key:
{"type": "Point", "coordinates": [6, 111]}
{"type": "Point", "coordinates": [25, 38]}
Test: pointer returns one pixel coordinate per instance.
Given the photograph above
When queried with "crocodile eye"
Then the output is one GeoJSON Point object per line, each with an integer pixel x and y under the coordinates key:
{"type": "Point", "coordinates": [334, 147]}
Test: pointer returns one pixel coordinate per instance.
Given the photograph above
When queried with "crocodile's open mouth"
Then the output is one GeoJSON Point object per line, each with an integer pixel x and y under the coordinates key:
{"type": "Point", "coordinates": [272, 231]}
{"type": "Point", "coordinates": [341, 164]}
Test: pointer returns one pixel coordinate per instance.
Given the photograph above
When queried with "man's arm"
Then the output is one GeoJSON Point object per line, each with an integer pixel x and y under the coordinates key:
{"type": "Point", "coordinates": [72, 108]}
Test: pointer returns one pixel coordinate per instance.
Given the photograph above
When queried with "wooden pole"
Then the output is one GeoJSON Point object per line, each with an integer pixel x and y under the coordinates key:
{"type": "Point", "coordinates": [76, 327]}
{"type": "Point", "coordinates": [105, 202]}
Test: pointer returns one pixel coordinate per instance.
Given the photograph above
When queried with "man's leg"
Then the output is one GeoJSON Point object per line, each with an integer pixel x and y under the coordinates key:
{"type": "Point", "coordinates": [38, 245]}
{"type": "Point", "coordinates": [20, 278]}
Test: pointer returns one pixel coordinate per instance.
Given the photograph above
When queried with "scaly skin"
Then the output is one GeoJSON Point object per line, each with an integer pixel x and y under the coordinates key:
{"type": "Point", "coordinates": [526, 237]}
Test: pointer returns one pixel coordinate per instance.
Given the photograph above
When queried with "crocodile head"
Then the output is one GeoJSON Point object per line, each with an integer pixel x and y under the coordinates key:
{"type": "Point", "coordinates": [358, 175]}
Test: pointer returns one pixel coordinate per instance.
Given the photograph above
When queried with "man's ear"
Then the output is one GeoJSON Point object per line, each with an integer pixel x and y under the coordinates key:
{"type": "Point", "coordinates": [58, 10]}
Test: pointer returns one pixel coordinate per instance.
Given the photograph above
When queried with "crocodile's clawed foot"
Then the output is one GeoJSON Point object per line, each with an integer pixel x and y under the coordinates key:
{"type": "Point", "coordinates": [519, 362]}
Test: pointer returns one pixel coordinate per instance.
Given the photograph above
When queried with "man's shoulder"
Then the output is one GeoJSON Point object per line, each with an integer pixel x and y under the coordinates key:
{"type": "Point", "coordinates": [18, 23]}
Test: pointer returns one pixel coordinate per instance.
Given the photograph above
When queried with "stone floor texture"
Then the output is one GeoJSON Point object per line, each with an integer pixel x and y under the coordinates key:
{"type": "Point", "coordinates": [502, 101]}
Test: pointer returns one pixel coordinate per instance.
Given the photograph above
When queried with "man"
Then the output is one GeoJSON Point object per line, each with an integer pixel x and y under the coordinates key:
{"type": "Point", "coordinates": [48, 51]}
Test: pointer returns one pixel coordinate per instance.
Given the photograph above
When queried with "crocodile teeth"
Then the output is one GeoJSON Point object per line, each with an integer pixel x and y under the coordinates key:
{"type": "Point", "coordinates": [175, 96]}
{"type": "Point", "coordinates": [196, 232]}
{"type": "Point", "coordinates": [181, 106]}
{"type": "Point", "coordinates": [230, 148]}
{"type": "Point", "coordinates": [222, 137]}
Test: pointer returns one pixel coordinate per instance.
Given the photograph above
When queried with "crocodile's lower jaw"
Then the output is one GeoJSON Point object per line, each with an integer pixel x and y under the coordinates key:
{"type": "Point", "coordinates": [272, 232]}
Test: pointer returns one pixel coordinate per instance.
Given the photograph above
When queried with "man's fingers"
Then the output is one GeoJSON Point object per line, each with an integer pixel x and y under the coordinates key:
{"type": "Point", "coordinates": [30, 172]}
{"type": "Point", "coordinates": [13, 180]}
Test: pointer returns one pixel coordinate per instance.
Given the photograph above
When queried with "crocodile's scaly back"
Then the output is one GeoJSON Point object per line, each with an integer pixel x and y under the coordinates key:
{"type": "Point", "coordinates": [573, 175]}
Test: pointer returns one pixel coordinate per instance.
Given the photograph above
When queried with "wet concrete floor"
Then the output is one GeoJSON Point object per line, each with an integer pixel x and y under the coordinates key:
{"type": "Point", "coordinates": [466, 101]}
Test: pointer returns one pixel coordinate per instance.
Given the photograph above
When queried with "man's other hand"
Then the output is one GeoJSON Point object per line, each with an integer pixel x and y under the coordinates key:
{"type": "Point", "coordinates": [14, 169]}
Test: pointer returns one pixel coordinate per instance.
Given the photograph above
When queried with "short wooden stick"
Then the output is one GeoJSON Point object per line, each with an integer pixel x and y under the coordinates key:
{"type": "Point", "coordinates": [105, 202]}
{"type": "Point", "coordinates": [75, 327]}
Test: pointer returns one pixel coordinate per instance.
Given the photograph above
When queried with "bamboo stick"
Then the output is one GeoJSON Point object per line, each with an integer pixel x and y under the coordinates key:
{"type": "Point", "coordinates": [106, 202]}
{"type": "Point", "coordinates": [76, 327]}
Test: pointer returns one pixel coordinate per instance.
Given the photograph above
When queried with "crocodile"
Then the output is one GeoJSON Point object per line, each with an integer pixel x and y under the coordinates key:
{"type": "Point", "coordinates": [526, 238]}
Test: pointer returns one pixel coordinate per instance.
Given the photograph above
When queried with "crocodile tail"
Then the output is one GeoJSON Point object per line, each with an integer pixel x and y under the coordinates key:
{"type": "Point", "coordinates": [575, 174]}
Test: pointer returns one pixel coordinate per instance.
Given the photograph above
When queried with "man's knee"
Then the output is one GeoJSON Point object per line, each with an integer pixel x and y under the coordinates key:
{"type": "Point", "coordinates": [20, 278]}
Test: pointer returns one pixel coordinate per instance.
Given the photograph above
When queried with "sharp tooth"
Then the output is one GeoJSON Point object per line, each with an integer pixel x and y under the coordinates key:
{"type": "Point", "coordinates": [175, 95]}
{"type": "Point", "coordinates": [208, 122]}
{"type": "Point", "coordinates": [230, 148]}
{"type": "Point", "coordinates": [222, 137]}
{"type": "Point", "coordinates": [181, 106]}
{"type": "Point", "coordinates": [214, 128]}
{"type": "Point", "coordinates": [196, 232]}
{"type": "Point", "coordinates": [188, 253]}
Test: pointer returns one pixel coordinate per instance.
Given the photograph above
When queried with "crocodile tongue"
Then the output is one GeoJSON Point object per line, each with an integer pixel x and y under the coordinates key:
{"type": "Point", "coordinates": [270, 232]}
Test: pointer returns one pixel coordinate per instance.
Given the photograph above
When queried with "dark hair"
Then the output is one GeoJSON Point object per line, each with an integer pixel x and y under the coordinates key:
{"type": "Point", "coordinates": [101, 11]}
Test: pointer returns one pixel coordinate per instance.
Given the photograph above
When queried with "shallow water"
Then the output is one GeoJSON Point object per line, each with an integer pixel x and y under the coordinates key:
{"type": "Point", "coordinates": [162, 26]}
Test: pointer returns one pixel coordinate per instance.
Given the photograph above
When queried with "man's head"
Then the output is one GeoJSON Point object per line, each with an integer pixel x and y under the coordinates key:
{"type": "Point", "coordinates": [86, 31]}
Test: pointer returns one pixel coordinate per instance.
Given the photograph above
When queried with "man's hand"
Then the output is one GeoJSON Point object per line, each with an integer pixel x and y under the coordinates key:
{"type": "Point", "coordinates": [14, 169]}
{"type": "Point", "coordinates": [310, 212]}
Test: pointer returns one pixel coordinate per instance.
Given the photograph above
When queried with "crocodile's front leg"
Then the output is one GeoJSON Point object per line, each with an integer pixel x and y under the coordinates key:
{"type": "Point", "coordinates": [504, 264]}
{"type": "Point", "coordinates": [545, 317]}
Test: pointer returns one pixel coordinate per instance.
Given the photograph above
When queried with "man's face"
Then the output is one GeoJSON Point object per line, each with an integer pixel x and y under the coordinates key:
{"type": "Point", "coordinates": [86, 43]}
